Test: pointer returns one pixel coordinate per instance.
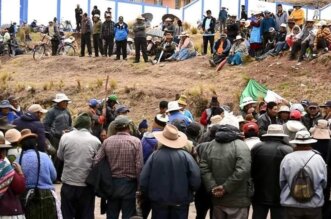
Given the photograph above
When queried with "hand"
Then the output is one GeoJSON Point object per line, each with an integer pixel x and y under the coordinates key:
{"type": "Point", "coordinates": [218, 191]}
{"type": "Point", "coordinates": [17, 168]}
{"type": "Point", "coordinates": [251, 110]}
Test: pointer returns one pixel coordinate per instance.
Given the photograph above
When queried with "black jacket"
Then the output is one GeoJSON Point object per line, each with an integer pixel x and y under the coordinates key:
{"type": "Point", "coordinates": [266, 159]}
{"type": "Point", "coordinates": [264, 121]}
{"type": "Point", "coordinates": [309, 121]}
{"type": "Point", "coordinates": [30, 121]}
{"type": "Point", "coordinates": [212, 25]}
{"type": "Point", "coordinates": [108, 29]}
{"type": "Point", "coordinates": [96, 11]}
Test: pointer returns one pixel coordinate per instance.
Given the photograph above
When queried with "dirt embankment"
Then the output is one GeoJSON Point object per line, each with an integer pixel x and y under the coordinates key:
{"type": "Point", "coordinates": [141, 86]}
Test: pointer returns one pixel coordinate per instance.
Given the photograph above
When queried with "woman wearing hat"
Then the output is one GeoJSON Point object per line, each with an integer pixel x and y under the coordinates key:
{"type": "Point", "coordinates": [40, 174]}
{"type": "Point", "coordinates": [13, 136]}
{"type": "Point", "coordinates": [221, 50]}
{"type": "Point", "coordinates": [238, 51]}
{"type": "Point", "coordinates": [303, 156]}
{"type": "Point", "coordinates": [12, 184]}
{"type": "Point", "coordinates": [184, 50]}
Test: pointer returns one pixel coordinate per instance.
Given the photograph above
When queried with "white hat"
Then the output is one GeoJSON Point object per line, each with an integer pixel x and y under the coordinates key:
{"type": "Point", "coordinates": [61, 97]}
{"type": "Point", "coordinates": [149, 38]}
{"type": "Point", "coordinates": [275, 131]}
{"type": "Point", "coordinates": [173, 106]}
{"type": "Point", "coordinates": [96, 15]}
{"type": "Point", "coordinates": [322, 23]}
{"type": "Point", "coordinates": [284, 109]}
{"type": "Point", "coordinates": [130, 40]}
{"type": "Point", "coordinates": [246, 101]}
{"type": "Point", "coordinates": [241, 119]}
{"type": "Point", "coordinates": [283, 25]}
{"type": "Point", "coordinates": [297, 106]}
{"type": "Point", "coordinates": [34, 108]}
{"type": "Point", "coordinates": [168, 19]}
{"type": "Point", "coordinates": [238, 38]}
{"type": "Point", "coordinates": [242, 20]}
{"type": "Point", "coordinates": [162, 118]}
{"type": "Point", "coordinates": [303, 137]}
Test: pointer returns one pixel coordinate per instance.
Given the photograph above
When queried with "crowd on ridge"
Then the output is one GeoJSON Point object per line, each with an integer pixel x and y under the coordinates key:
{"type": "Point", "coordinates": [263, 34]}
{"type": "Point", "coordinates": [274, 157]}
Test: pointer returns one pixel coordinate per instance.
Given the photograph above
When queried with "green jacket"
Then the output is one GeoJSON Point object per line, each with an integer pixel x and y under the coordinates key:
{"type": "Point", "coordinates": [228, 164]}
{"type": "Point", "coordinates": [97, 27]}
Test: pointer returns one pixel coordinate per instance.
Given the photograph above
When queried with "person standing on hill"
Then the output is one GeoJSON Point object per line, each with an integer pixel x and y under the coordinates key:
{"type": "Point", "coordinates": [108, 35]}
{"type": "Point", "coordinates": [281, 17]}
{"type": "Point", "coordinates": [97, 42]}
{"type": "Point", "coordinates": [95, 11]}
{"type": "Point", "coordinates": [53, 32]}
{"type": "Point", "coordinates": [121, 35]}
{"type": "Point", "coordinates": [78, 16]}
{"type": "Point", "coordinates": [140, 41]}
{"type": "Point", "coordinates": [222, 17]}
{"type": "Point", "coordinates": [266, 23]}
{"type": "Point", "coordinates": [86, 36]}
{"type": "Point", "coordinates": [208, 27]}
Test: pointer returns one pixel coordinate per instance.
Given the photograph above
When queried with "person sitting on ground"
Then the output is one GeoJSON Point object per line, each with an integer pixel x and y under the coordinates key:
{"type": "Point", "coordinates": [243, 26]}
{"type": "Point", "coordinates": [280, 40]}
{"type": "Point", "coordinates": [300, 44]}
{"type": "Point", "coordinates": [222, 48]}
{"type": "Point", "coordinates": [184, 50]}
{"type": "Point", "coordinates": [238, 51]}
{"type": "Point", "coordinates": [290, 25]}
{"type": "Point", "coordinates": [323, 38]}
{"type": "Point", "coordinates": [150, 46]}
{"type": "Point", "coordinates": [7, 111]}
{"type": "Point", "coordinates": [267, 23]}
{"type": "Point", "coordinates": [292, 37]}
{"type": "Point", "coordinates": [165, 50]}
{"type": "Point", "coordinates": [293, 125]}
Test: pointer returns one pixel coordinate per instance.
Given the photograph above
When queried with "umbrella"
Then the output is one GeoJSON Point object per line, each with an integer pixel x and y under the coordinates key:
{"type": "Point", "coordinates": [169, 16]}
{"type": "Point", "coordinates": [147, 16]}
{"type": "Point", "coordinates": [155, 32]}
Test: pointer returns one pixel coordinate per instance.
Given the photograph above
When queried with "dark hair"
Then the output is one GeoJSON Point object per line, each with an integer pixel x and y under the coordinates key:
{"type": "Point", "coordinates": [179, 23]}
{"type": "Point", "coordinates": [208, 11]}
{"type": "Point", "coordinates": [29, 143]}
{"type": "Point", "coordinates": [251, 133]}
{"type": "Point", "coordinates": [271, 105]}
{"type": "Point", "coordinates": [180, 125]}
{"type": "Point", "coordinates": [279, 5]}
{"type": "Point", "coordinates": [121, 128]}
{"type": "Point", "coordinates": [163, 104]}
{"type": "Point", "coordinates": [193, 130]}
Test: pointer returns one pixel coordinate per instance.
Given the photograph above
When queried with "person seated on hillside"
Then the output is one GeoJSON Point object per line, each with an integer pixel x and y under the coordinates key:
{"type": "Point", "coordinates": [150, 46]}
{"type": "Point", "coordinates": [301, 44]}
{"type": "Point", "coordinates": [129, 47]}
{"type": "Point", "coordinates": [238, 51]}
{"type": "Point", "coordinates": [323, 38]}
{"type": "Point", "coordinates": [278, 44]}
{"type": "Point", "coordinates": [14, 47]}
{"type": "Point", "coordinates": [298, 15]}
{"type": "Point", "coordinates": [222, 48]}
{"type": "Point", "coordinates": [184, 50]}
{"type": "Point", "coordinates": [165, 50]}
{"type": "Point", "coordinates": [290, 25]}
{"type": "Point", "coordinates": [292, 37]}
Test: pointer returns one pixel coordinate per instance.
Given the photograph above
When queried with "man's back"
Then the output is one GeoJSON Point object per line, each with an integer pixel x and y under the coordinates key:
{"type": "Point", "coordinates": [266, 159]}
{"type": "Point", "coordinates": [77, 149]}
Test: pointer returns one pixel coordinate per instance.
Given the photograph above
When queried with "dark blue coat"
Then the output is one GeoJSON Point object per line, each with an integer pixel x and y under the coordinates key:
{"type": "Point", "coordinates": [170, 176]}
{"type": "Point", "coordinates": [30, 121]}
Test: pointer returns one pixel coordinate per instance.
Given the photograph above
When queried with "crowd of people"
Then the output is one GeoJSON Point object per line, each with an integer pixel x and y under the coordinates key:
{"type": "Point", "coordinates": [273, 156]}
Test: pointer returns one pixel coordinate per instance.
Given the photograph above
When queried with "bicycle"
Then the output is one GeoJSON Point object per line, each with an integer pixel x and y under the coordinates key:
{"type": "Point", "coordinates": [66, 47]}
{"type": "Point", "coordinates": [65, 26]}
{"type": "Point", "coordinates": [43, 48]}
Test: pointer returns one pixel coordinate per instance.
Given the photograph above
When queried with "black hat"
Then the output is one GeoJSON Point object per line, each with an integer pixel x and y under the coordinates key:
{"type": "Point", "coordinates": [327, 104]}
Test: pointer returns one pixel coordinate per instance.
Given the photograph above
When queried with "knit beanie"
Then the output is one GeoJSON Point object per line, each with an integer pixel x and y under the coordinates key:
{"type": "Point", "coordinates": [143, 124]}
{"type": "Point", "coordinates": [83, 121]}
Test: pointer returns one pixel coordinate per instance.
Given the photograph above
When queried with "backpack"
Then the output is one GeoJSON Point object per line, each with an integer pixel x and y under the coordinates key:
{"type": "Point", "coordinates": [302, 187]}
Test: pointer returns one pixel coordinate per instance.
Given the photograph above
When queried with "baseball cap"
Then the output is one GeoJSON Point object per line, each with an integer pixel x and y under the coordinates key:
{"type": "Point", "coordinates": [251, 126]}
{"type": "Point", "coordinates": [295, 114]}
{"type": "Point", "coordinates": [34, 108]}
{"type": "Point", "coordinates": [122, 109]}
{"type": "Point", "coordinates": [93, 102]}
{"type": "Point", "coordinates": [327, 104]}
{"type": "Point", "coordinates": [312, 105]}
{"type": "Point", "coordinates": [113, 98]}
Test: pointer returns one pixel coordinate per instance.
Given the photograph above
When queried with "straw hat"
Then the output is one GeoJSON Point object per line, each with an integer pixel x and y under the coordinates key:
{"type": "Point", "coordinates": [284, 109]}
{"type": "Point", "coordinates": [321, 130]}
{"type": "Point", "coordinates": [3, 142]}
{"type": "Point", "coordinates": [238, 38]}
{"type": "Point", "coordinates": [26, 133]}
{"type": "Point", "coordinates": [182, 100]}
{"type": "Point", "coordinates": [246, 101]}
{"type": "Point", "coordinates": [149, 38]}
{"type": "Point", "coordinates": [34, 108]}
{"type": "Point", "coordinates": [303, 137]}
{"type": "Point", "coordinates": [13, 135]}
{"type": "Point", "coordinates": [171, 137]}
{"type": "Point", "coordinates": [275, 131]}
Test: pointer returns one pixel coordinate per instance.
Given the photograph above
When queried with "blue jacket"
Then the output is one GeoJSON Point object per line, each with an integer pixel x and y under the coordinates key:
{"type": "Point", "coordinates": [223, 15]}
{"type": "Point", "coordinates": [266, 24]}
{"type": "Point", "coordinates": [179, 116]}
{"type": "Point", "coordinates": [30, 121]}
{"type": "Point", "coordinates": [149, 144]}
{"type": "Point", "coordinates": [121, 32]}
{"type": "Point", "coordinates": [11, 116]}
{"type": "Point", "coordinates": [170, 177]}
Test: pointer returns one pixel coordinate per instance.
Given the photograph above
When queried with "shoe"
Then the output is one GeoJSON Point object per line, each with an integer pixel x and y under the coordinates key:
{"type": "Point", "coordinates": [212, 63]}
{"type": "Point", "coordinates": [153, 62]}
{"type": "Point", "coordinates": [300, 59]}
{"type": "Point", "coordinates": [136, 61]}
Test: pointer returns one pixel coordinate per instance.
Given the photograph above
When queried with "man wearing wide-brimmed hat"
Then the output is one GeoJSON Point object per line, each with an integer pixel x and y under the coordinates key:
{"type": "Point", "coordinates": [170, 175]}
{"type": "Point", "coordinates": [221, 50]}
{"type": "Point", "coordinates": [7, 111]}
{"type": "Point", "coordinates": [31, 120]}
{"type": "Point", "coordinates": [57, 122]}
{"type": "Point", "coordinates": [315, 167]}
{"type": "Point", "coordinates": [269, 153]}
{"type": "Point", "coordinates": [125, 156]}
{"type": "Point", "coordinates": [175, 114]}
{"type": "Point", "coordinates": [77, 150]}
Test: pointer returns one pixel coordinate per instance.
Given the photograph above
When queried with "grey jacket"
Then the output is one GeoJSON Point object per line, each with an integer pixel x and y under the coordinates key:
{"type": "Point", "coordinates": [228, 164]}
{"type": "Point", "coordinates": [56, 121]}
{"type": "Point", "coordinates": [280, 19]}
{"type": "Point", "coordinates": [139, 30]}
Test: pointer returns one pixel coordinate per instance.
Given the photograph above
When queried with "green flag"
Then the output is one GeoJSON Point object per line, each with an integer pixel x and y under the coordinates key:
{"type": "Point", "coordinates": [254, 90]}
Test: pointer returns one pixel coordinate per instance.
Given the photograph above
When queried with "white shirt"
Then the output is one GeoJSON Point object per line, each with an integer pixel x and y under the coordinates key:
{"type": "Point", "coordinates": [207, 24]}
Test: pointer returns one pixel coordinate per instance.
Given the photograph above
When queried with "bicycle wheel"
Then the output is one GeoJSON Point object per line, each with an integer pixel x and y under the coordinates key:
{"type": "Point", "coordinates": [66, 50]}
{"type": "Point", "coordinates": [39, 52]}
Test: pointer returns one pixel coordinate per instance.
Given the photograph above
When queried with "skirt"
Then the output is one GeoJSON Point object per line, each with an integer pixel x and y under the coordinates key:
{"type": "Point", "coordinates": [43, 206]}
